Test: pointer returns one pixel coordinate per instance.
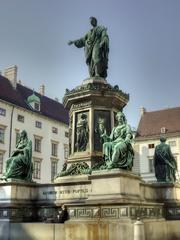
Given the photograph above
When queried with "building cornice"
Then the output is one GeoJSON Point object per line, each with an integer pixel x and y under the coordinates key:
{"type": "Point", "coordinates": [156, 137]}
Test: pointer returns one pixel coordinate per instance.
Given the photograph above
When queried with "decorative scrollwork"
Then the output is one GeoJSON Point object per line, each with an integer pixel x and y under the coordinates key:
{"type": "Point", "coordinates": [76, 169]}
{"type": "Point", "coordinates": [97, 87]}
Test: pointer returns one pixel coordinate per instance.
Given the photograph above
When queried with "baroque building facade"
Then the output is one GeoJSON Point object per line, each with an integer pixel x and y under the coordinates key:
{"type": "Point", "coordinates": [152, 125]}
{"type": "Point", "coordinates": [44, 119]}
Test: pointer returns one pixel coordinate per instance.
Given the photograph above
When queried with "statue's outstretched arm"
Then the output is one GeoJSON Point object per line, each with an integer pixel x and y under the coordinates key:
{"type": "Point", "coordinates": [70, 42]}
{"type": "Point", "coordinates": [79, 43]}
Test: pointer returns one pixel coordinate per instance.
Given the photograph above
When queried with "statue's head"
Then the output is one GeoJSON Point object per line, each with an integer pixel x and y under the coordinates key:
{"type": "Point", "coordinates": [162, 139]}
{"type": "Point", "coordinates": [93, 21]}
{"type": "Point", "coordinates": [23, 134]}
{"type": "Point", "coordinates": [120, 117]}
{"type": "Point", "coordinates": [83, 116]}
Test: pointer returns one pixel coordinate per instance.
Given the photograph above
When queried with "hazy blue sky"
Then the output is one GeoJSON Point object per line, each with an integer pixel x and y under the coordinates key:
{"type": "Point", "coordinates": [144, 55]}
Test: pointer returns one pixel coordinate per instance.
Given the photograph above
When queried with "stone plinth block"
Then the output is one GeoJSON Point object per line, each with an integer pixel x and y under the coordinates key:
{"type": "Point", "coordinates": [114, 185]}
{"type": "Point", "coordinates": [161, 191]}
{"type": "Point", "coordinates": [65, 189]}
{"type": "Point", "coordinates": [16, 200]}
{"type": "Point", "coordinates": [166, 193]}
{"type": "Point", "coordinates": [17, 191]}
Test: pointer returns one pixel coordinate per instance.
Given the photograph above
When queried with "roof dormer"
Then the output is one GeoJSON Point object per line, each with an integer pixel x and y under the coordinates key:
{"type": "Point", "coordinates": [34, 101]}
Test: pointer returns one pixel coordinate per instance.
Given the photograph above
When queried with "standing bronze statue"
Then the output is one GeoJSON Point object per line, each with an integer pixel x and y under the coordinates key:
{"type": "Point", "coordinates": [96, 46]}
{"type": "Point", "coordinates": [82, 133]}
{"type": "Point", "coordinates": [19, 165]}
{"type": "Point", "coordinates": [164, 163]}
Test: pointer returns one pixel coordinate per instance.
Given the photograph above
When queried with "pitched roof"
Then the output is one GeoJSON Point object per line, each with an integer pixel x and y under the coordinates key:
{"type": "Point", "coordinates": [151, 122]}
{"type": "Point", "coordinates": [49, 107]}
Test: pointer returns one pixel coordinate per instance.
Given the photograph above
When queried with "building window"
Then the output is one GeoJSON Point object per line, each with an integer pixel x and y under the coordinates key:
{"type": "Point", "coordinates": [2, 134]}
{"type": "Point", "coordinates": [2, 112]}
{"type": "Point", "coordinates": [66, 151]}
{"type": "Point", "coordinates": [37, 169]}
{"type": "Point", "coordinates": [67, 134]}
{"type": "Point", "coordinates": [38, 124]}
{"type": "Point", "coordinates": [54, 148]}
{"type": "Point", "coordinates": [151, 145]}
{"type": "Point", "coordinates": [1, 162]}
{"type": "Point", "coordinates": [172, 143]}
{"type": "Point", "coordinates": [37, 144]}
{"type": "Point", "coordinates": [37, 106]}
{"type": "Point", "coordinates": [151, 165]}
{"type": "Point", "coordinates": [20, 118]}
{"type": "Point", "coordinates": [163, 130]}
{"type": "Point", "coordinates": [53, 169]}
{"type": "Point", "coordinates": [54, 130]}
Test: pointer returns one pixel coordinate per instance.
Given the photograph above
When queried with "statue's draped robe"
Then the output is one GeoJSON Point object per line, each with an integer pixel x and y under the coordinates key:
{"type": "Point", "coordinates": [96, 55]}
{"type": "Point", "coordinates": [19, 165]}
{"type": "Point", "coordinates": [164, 163]}
{"type": "Point", "coordinates": [82, 135]}
{"type": "Point", "coordinates": [119, 150]}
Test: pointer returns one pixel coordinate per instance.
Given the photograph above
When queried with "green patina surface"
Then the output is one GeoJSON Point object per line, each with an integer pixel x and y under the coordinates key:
{"type": "Point", "coordinates": [96, 46]}
{"type": "Point", "coordinates": [75, 169]}
{"type": "Point", "coordinates": [95, 87]}
{"type": "Point", "coordinates": [117, 150]}
{"type": "Point", "coordinates": [19, 165]}
{"type": "Point", "coordinates": [164, 163]}
{"type": "Point", "coordinates": [33, 98]}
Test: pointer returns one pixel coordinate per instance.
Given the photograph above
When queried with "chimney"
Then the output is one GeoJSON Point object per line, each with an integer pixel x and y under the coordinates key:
{"type": "Point", "coordinates": [42, 89]}
{"type": "Point", "coordinates": [142, 111]}
{"type": "Point", "coordinates": [11, 74]}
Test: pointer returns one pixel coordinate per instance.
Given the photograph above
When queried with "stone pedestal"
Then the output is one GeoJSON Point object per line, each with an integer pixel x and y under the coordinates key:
{"type": "Point", "coordinates": [167, 193]}
{"type": "Point", "coordinates": [106, 203]}
{"type": "Point", "coordinates": [98, 101]}
{"type": "Point", "coordinates": [17, 200]}
{"type": "Point", "coordinates": [116, 194]}
{"type": "Point", "coordinates": [111, 186]}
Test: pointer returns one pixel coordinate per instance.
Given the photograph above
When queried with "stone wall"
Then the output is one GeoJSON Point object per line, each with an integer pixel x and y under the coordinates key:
{"type": "Point", "coordinates": [154, 230]}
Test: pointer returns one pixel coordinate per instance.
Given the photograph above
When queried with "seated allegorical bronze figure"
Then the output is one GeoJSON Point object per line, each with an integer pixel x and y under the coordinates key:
{"type": "Point", "coordinates": [19, 165]}
{"type": "Point", "coordinates": [118, 151]}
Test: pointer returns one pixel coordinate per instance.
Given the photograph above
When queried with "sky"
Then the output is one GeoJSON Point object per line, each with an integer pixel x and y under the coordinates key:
{"type": "Point", "coordinates": [144, 57]}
